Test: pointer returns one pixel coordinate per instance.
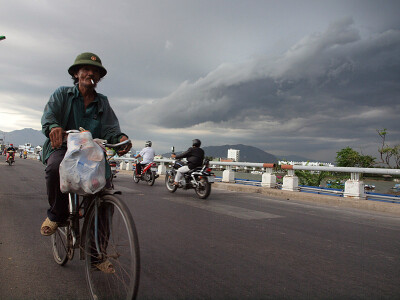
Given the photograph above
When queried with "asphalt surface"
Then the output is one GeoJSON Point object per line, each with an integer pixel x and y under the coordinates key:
{"type": "Point", "coordinates": [235, 245]}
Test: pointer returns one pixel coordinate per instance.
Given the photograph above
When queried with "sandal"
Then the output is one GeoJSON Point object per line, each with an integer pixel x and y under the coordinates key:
{"type": "Point", "coordinates": [48, 227]}
{"type": "Point", "coordinates": [106, 267]}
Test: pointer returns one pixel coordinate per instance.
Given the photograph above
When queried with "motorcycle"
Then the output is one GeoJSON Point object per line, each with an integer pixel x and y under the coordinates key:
{"type": "Point", "coordinates": [113, 164]}
{"type": "Point", "coordinates": [10, 159]}
{"type": "Point", "coordinates": [149, 173]}
{"type": "Point", "coordinates": [199, 179]}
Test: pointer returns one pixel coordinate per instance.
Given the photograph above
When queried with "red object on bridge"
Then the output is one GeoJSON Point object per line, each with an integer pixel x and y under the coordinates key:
{"type": "Point", "coordinates": [287, 167]}
{"type": "Point", "coordinates": [268, 165]}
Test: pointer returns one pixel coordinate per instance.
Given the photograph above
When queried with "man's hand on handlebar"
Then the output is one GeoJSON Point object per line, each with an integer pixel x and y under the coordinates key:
{"type": "Point", "coordinates": [173, 155]}
{"type": "Point", "coordinates": [56, 137]}
{"type": "Point", "coordinates": [126, 148]}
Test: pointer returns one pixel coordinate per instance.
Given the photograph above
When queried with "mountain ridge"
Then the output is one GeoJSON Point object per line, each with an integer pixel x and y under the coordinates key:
{"type": "Point", "coordinates": [247, 153]}
{"type": "Point", "coordinates": [22, 136]}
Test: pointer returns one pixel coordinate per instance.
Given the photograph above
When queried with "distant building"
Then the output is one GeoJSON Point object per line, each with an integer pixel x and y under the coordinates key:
{"type": "Point", "coordinates": [28, 147]}
{"type": "Point", "coordinates": [234, 154]}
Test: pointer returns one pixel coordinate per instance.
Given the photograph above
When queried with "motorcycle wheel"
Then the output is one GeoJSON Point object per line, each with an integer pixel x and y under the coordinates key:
{"type": "Point", "coordinates": [150, 177]}
{"type": "Point", "coordinates": [169, 183]}
{"type": "Point", "coordinates": [135, 179]}
{"type": "Point", "coordinates": [9, 162]}
{"type": "Point", "coordinates": [203, 188]}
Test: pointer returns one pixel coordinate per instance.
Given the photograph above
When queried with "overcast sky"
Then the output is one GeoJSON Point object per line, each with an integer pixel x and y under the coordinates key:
{"type": "Point", "coordinates": [290, 77]}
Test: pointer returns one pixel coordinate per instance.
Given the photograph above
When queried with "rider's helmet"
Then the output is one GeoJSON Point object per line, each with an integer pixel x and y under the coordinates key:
{"type": "Point", "coordinates": [148, 144]}
{"type": "Point", "coordinates": [11, 145]}
{"type": "Point", "coordinates": [196, 143]}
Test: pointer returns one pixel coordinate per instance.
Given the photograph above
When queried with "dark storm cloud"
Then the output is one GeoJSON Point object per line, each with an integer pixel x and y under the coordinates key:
{"type": "Point", "coordinates": [228, 72]}
{"type": "Point", "coordinates": [330, 90]}
{"type": "Point", "coordinates": [335, 74]}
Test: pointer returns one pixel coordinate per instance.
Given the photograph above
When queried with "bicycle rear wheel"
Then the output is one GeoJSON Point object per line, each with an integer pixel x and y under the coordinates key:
{"type": "Point", "coordinates": [59, 241]}
{"type": "Point", "coordinates": [118, 244]}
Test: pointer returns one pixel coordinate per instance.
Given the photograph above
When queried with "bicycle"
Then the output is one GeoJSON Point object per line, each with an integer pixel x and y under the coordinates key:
{"type": "Point", "coordinates": [108, 233]}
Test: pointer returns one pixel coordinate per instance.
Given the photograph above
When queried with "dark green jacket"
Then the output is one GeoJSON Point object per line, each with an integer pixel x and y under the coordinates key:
{"type": "Point", "coordinates": [58, 112]}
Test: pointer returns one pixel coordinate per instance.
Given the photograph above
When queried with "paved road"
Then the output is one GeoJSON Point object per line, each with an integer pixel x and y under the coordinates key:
{"type": "Point", "coordinates": [232, 246]}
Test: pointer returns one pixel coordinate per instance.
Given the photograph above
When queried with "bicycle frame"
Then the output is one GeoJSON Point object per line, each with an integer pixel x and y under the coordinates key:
{"type": "Point", "coordinates": [106, 237]}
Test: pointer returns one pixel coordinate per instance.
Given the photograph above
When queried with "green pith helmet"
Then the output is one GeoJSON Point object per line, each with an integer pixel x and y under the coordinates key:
{"type": "Point", "coordinates": [87, 58]}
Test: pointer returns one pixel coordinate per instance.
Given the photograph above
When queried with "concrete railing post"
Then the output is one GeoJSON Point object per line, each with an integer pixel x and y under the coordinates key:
{"type": "Point", "coordinates": [228, 175]}
{"type": "Point", "coordinates": [353, 187]}
{"type": "Point", "coordinates": [290, 181]}
{"type": "Point", "coordinates": [268, 179]}
{"type": "Point", "coordinates": [162, 169]}
{"type": "Point", "coordinates": [122, 165]}
{"type": "Point", "coordinates": [128, 166]}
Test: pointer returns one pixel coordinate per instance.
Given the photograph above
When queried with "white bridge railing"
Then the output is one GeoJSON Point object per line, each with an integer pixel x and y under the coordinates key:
{"type": "Point", "coordinates": [354, 187]}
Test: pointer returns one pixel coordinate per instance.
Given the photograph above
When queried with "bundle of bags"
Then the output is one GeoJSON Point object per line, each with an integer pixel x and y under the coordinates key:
{"type": "Point", "coordinates": [82, 171]}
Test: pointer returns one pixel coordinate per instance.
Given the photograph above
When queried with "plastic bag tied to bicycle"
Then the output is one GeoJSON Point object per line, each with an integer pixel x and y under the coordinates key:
{"type": "Point", "coordinates": [82, 171]}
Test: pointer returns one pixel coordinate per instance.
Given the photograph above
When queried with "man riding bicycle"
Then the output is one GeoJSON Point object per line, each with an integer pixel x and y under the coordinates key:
{"type": "Point", "coordinates": [71, 108]}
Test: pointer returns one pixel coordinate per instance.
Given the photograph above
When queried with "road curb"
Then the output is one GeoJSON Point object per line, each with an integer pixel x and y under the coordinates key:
{"type": "Point", "coordinates": [384, 207]}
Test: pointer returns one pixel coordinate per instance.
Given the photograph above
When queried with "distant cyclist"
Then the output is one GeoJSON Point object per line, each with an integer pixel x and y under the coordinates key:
{"type": "Point", "coordinates": [148, 156]}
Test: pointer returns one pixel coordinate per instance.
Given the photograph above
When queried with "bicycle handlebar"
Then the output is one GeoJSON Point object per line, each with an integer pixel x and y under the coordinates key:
{"type": "Point", "coordinates": [103, 142]}
{"type": "Point", "coordinates": [116, 145]}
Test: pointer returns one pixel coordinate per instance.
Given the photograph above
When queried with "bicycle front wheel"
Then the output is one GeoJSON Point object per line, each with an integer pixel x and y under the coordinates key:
{"type": "Point", "coordinates": [112, 255]}
{"type": "Point", "coordinates": [59, 241]}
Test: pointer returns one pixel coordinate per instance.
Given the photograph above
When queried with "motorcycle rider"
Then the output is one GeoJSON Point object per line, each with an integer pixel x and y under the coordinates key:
{"type": "Point", "coordinates": [194, 156]}
{"type": "Point", "coordinates": [148, 156]}
{"type": "Point", "coordinates": [10, 148]}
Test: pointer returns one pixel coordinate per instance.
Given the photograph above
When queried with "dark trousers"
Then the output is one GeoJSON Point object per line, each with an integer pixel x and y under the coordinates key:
{"type": "Point", "coordinates": [138, 168]}
{"type": "Point", "coordinates": [58, 211]}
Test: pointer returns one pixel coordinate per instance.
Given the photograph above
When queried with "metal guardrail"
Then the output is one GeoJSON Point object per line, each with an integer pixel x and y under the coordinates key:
{"type": "Point", "coordinates": [343, 169]}
{"type": "Point", "coordinates": [213, 163]}
{"type": "Point", "coordinates": [355, 175]}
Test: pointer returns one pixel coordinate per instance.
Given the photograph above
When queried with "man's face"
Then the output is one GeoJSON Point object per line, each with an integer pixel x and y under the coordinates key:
{"type": "Point", "coordinates": [87, 73]}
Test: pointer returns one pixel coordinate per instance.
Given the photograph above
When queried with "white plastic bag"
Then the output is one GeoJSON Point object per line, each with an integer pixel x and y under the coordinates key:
{"type": "Point", "coordinates": [82, 171]}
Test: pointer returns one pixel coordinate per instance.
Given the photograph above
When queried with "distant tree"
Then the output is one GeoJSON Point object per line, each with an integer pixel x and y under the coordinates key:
{"type": "Point", "coordinates": [309, 178]}
{"type": "Point", "coordinates": [388, 153]}
{"type": "Point", "coordinates": [348, 157]}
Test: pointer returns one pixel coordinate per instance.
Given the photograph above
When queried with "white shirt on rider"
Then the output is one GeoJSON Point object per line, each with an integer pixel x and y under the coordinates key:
{"type": "Point", "coordinates": [147, 154]}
